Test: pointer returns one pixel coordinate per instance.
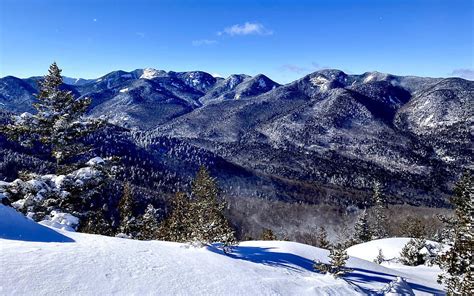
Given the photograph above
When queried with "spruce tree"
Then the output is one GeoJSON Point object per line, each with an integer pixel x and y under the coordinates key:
{"type": "Point", "coordinates": [209, 223]}
{"type": "Point", "coordinates": [362, 232]}
{"type": "Point", "coordinates": [128, 222]}
{"type": "Point", "coordinates": [149, 224]}
{"type": "Point", "coordinates": [322, 238]}
{"type": "Point", "coordinates": [337, 262]}
{"type": "Point", "coordinates": [58, 125]}
{"type": "Point", "coordinates": [379, 220]}
{"type": "Point", "coordinates": [177, 227]}
{"type": "Point", "coordinates": [457, 262]}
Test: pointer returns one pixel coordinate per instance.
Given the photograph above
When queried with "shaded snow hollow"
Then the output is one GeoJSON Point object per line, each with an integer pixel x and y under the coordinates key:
{"type": "Point", "coordinates": [34, 261]}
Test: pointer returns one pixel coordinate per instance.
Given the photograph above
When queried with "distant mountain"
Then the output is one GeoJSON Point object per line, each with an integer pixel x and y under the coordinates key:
{"type": "Point", "coordinates": [321, 137]}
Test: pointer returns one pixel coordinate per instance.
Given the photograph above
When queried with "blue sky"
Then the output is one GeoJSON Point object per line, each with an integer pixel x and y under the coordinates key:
{"type": "Point", "coordinates": [282, 39]}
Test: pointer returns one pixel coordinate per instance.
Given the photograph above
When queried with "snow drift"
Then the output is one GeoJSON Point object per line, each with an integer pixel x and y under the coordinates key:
{"type": "Point", "coordinates": [99, 265]}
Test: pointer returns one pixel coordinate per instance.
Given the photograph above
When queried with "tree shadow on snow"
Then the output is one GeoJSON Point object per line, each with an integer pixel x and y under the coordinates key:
{"type": "Point", "coordinates": [266, 257]}
{"type": "Point", "coordinates": [357, 277]}
{"type": "Point", "coordinates": [365, 276]}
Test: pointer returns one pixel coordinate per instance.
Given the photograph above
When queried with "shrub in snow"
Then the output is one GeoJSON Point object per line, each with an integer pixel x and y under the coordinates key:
{"type": "Point", "coordinates": [57, 198]}
{"type": "Point", "coordinates": [267, 234]}
{"type": "Point", "coordinates": [149, 224]}
{"type": "Point", "coordinates": [457, 262]}
{"type": "Point", "coordinates": [414, 252]}
{"type": "Point", "coordinates": [380, 257]}
{"type": "Point", "coordinates": [337, 262]}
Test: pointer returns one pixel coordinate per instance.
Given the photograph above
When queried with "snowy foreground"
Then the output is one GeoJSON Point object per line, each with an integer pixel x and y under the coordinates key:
{"type": "Point", "coordinates": [38, 260]}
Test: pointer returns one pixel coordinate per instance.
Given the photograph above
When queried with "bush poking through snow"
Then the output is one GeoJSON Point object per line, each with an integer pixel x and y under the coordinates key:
{"type": "Point", "coordinates": [267, 234]}
{"type": "Point", "coordinates": [337, 262]}
{"type": "Point", "coordinates": [380, 257]}
{"type": "Point", "coordinates": [412, 253]}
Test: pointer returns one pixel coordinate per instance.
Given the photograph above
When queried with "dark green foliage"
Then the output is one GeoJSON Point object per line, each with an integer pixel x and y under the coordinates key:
{"type": "Point", "coordinates": [268, 235]}
{"type": "Point", "coordinates": [337, 262]}
{"type": "Point", "coordinates": [208, 221]}
{"type": "Point", "coordinates": [322, 238]}
{"type": "Point", "coordinates": [177, 227]}
{"type": "Point", "coordinates": [128, 222]}
{"type": "Point", "coordinates": [149, 224]}
{"type": "Point", "coordinates": [362, 232]}
{"type": "Point", "coordinates": [378, 218]}
{"type": "Point", "coordinates": [411, 253]}
{"type": "Point", "coordinates": [58, 125]}
{"type": "Point", "coordinates": [414, 227]}
{"type": "Point", "coordinates": [457, 263]}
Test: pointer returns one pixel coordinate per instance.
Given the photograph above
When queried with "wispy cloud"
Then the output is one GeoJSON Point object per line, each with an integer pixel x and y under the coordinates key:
{"type": "Point", "coordinates": [464, 73]}
{"type": "Point", "coordinates": [202, 42]}
{"type": "Point", "coordinates": [140, 34]}
{"type": "Point", "coordinates": [301, 69]}
{"type": "Point", "coordinates": [247, 28]}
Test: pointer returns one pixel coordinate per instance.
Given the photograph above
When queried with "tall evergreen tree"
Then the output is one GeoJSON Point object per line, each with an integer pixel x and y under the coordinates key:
{"type": "Point", "coordinates": [128, 222]}
{"type": "Point", "coordinates": [379, 220]}
{"type": "Point", "coordinates": [177, 227]}
{"type": "Point", "coordinates": [58, 124]}
{"type": "Point", "coordinates": [362, 232]}
{"type": "Point", "coordinates": [149, 224]}
{"type": "Point", "coordinates": [457, 263]}
{"type": "Point", "coordinates": [209, 223]}
{"type": "Point", "coordinates": [322, 238]}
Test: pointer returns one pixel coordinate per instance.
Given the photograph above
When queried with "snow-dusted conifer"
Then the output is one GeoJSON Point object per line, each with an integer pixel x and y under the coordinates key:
{"type": "Point", "coordinates": [209, 223]}
{"type": "Point", "coordinates": [457, 262]}
{"type": "Point", "coordinates": [322, 238]}
{"type": "Point", "coordinates": [177, 226]}
{"type": "Point", "coordinates": [58, 124]}
{"type": "Point", "coordinates": [362, 232]}
{"type": "Point", "coordinates": [128, 222]}
{"type": "Point", "coordinates": [412, 254]}
{"type": "Point", "coordinates": [380, 257]}
{"type": "Point", "coordinates": [337, 262]}
{"type": "Point", "coordinates": [379, 220]}
{"type": "Point", "coordinates": [149, 224]}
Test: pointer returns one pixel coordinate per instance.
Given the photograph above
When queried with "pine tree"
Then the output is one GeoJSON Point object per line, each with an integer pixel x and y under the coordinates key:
{"type": "Point", "coordinates": [177, 227]}
{"type": "Point", "coordinates": [322, 238]}
{"type": "Point", "coordinates": [337, 262]}
{"type": "Point", "coordinates": [362, 232]}
{"type": "Point", "coordinates": [58, 124]}
{"type": "Point", "coordinates": [411, 254]}
{"type": "Point", "coordinates": [457, 263]}
{"type": "Point", "coordinates": [149, 224]}
{"type": "Point", "coordinates": [414, 227]}
{"type": "Point", "coordinates": [379, 219]}
{"type": "Point", "coordinates": [209, 223]}
{"type": "Point", "coordinates": [268, 235]}
{"type": "Point", "coordinates": [128, 222]}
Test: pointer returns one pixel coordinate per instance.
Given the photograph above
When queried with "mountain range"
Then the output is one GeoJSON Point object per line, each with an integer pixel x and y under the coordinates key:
{"type": "Point", "coordinates": [324, 138]}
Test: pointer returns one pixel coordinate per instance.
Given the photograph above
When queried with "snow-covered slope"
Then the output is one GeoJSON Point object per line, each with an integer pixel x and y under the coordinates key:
{"type": "Point", "coordinates": [98, 265]}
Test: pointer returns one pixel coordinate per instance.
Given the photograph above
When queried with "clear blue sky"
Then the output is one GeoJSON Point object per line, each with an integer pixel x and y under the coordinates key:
{"type": "Point", "coordinates": [282, 39]}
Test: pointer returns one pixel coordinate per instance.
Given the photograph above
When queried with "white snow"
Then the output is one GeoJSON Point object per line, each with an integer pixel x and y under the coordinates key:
{"type": "Point", "coordinates": [38, 260]}
{"type": "Point", "coordinates": [149, 73]}
{"type": "Point", "coordinates": [391, 248]}
{"type": "Point", "coordinates": [261, 83]}
{"type": "Point", "coordinates": [60, 220]}
{"type": "Point", "coordinates": [124, 90]}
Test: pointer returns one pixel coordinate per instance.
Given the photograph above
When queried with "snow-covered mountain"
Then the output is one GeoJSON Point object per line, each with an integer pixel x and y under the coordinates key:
{"type": "Point", "coordinates": [324, 138]}
{"type": "Point", "coordinates": [39, 260]}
